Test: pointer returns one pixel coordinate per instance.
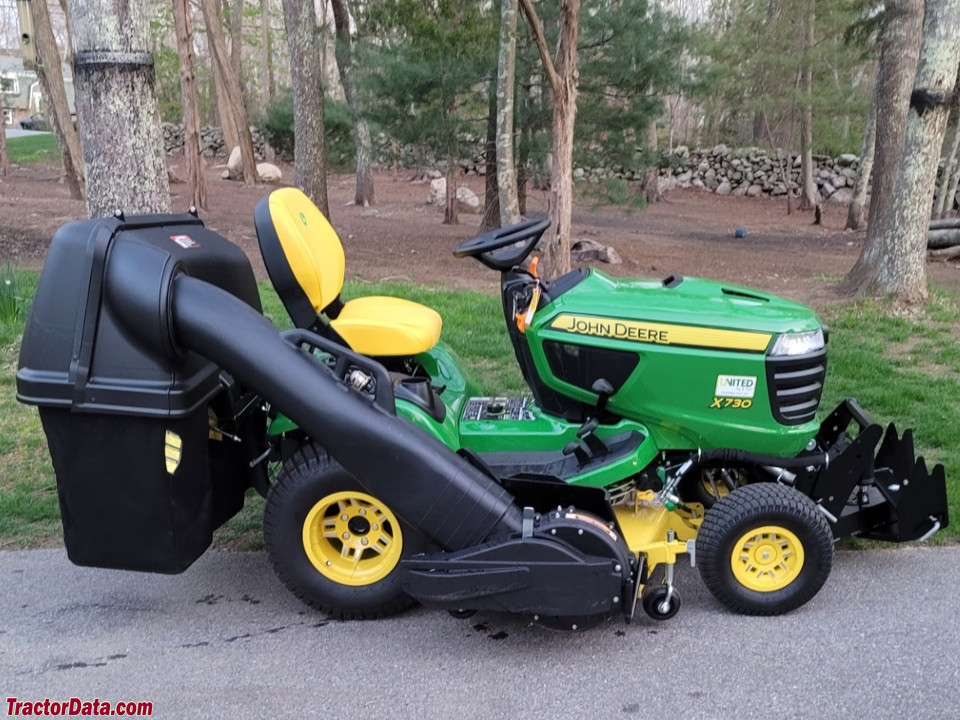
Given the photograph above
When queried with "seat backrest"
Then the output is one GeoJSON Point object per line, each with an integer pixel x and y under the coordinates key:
{"type": "Point", "coordinates": [301, 252]}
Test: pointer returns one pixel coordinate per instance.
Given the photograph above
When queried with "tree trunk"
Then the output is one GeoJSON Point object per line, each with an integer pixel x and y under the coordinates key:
{"type": "Point", "coordinates": [306, 63]}
{"type": "Point", "coordinates": [943, 237]}
{"type": "Point", "coordinates": [563, 85]}
{"type": "Point", "coordinates": [508, 202]}
{"type": "Point", "coordinates": [191, 111]}
{"type": "Point", "coordinates": [900, 48]}
{"type": "Point", "coordinates": [364, 194]}
{"type": "Point", "coordinates": [945, 223]}
{"type": "Point", "coordinates": [450, 215]}
{"type": "Point", "coordinates": [4, 157]}
{"type": "Point", "coordinates": [491, 194]}
{"type": "Point", "coordinates": [522, 188]}
{"type": "Point", "coordinates": [233, 95]}
{"type": "Point", "coordinates": [809, 196]}
{"type": "Point", "coordinates": [228, 123]}
{"type": "Point", "coordinates": [867, 148]}
{"type": "Point", "coordinates": [266, 67]}
{"type": "Point", "coordinates": [949, 165]}
{"type": "Point", "coordinates": [236, 40]}
{"type": "Point", "coordinates": [651, 176]}
{"type": "Point", "coordinates": [51, 80]}
{"type": "Point", "coordinates": [117, 108]}
{"type": "Point", "coordinates": [901, 268]}
{"type": "Point", "coordinates": [952, 189]}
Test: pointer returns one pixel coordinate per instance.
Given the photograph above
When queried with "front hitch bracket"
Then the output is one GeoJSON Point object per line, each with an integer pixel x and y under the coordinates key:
{"type": "Point", "coordinates": [881, 494]}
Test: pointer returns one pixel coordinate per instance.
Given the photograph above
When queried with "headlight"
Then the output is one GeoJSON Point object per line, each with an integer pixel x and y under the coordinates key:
{"type": "Point", "coordinates": [798, 343]}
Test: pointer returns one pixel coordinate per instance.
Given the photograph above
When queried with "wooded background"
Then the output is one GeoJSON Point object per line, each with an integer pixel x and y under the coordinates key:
{"type": "Point", "coordinates": [546, 83]}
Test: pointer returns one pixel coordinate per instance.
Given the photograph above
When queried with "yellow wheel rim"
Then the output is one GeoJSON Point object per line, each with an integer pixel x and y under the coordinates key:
{"type": "Point", "coordinates": [767, 558]}
{"type": "Point", "coordinates": [714, 488]}
{"type": "Point", "coordinates": [352, 538]}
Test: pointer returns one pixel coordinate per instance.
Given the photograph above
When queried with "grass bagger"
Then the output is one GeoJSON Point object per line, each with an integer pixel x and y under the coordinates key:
{"type": "Point", "coordinates": [666, 418]}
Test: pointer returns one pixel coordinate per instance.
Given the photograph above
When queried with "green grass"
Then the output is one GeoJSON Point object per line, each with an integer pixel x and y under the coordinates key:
{"type": "Point", "coordinates": [33, 149]}
{"type": "Point", "coordinates": [29, 514]}
{"type": "Point", "coordinates": [904, 369]}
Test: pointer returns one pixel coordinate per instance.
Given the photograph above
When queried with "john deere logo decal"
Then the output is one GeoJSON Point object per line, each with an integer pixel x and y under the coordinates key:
{"type": "Point", "coordinates": [172, 451]}
{"type": "Point", "coordinates": [661, 334]}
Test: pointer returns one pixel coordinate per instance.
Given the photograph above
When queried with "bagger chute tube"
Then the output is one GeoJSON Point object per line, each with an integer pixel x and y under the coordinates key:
{"type": "Point", "coordinates": [667, 420]}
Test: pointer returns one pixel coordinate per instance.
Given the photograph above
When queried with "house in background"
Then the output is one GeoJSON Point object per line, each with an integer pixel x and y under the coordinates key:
{"type": "Point", "coordinates": [22, 96]}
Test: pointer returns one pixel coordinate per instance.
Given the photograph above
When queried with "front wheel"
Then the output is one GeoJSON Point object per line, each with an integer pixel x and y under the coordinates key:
{"type": "Point", "coordinates": [333, 545]}
{"type": "Point", "coordinates": [764, 549]}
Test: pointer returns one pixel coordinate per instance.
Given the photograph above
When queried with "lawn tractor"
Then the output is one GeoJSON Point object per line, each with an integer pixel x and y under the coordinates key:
{"type": "Point", "coordinates": [665, 419]}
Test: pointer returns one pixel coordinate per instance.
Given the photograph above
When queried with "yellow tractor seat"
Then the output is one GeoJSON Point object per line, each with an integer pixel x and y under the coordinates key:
{"type": "Point", "coordinates": [305, 261]}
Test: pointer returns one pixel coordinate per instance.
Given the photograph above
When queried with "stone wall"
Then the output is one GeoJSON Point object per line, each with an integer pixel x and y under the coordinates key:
{"type": "Point", "coordinates": [211, 142]}
{"type": "Point", "coordinates": [725, 171]}
{"type": "Point", "coordinates": [754, 172]}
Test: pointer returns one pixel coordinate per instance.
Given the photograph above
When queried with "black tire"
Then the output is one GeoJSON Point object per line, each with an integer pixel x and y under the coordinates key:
{"type": "Point", "coordinates": [653, 601]}
{"type": "Point", "coordinates": [341, 578]}
{"type": "Point", "coordinates": [764, 549]}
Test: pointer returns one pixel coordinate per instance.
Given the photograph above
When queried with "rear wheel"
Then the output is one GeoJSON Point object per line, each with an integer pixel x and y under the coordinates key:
{"type": "Point", "coordinates": [764, 549]}
{"type": "Point", "coordinates": [333, 545]}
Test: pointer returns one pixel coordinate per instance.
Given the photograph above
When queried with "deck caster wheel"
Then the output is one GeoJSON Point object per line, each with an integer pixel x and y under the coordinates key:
{"type": "Point", "coordinates": [463, 613]}
{"type": "Point", "coordinates": [657, 605]}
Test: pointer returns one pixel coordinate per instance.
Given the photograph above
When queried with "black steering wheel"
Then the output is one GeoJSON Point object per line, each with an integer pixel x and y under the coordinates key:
{"type": "Point", "coordinates": [504, 248]}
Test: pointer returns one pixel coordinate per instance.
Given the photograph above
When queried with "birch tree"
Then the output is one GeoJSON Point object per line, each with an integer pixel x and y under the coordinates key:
{"type": "Point", "coordinates": [809, 196]}
{"type": "Point", "coordinates": [562, 80]}
{"type": "Point", "coordinates": [117, 108]}
{"type": "Point", "coordinates": [506, 80]}
{"type": "Point", "coordinates": [901, 268]}
{"type": "Point", "coordinates": [4, 156]}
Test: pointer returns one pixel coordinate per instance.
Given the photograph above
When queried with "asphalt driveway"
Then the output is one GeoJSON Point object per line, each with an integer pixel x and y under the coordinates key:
{"type": "Point", "coordinates": [226, 640]}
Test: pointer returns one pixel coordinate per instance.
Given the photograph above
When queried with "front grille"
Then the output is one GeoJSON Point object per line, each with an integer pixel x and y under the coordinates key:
{"type": "Point", "coordinates": [796, 384]}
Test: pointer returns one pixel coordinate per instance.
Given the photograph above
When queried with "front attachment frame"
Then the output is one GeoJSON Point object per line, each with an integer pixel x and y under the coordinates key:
{"type": "Point", "coordinates": [881, 494]}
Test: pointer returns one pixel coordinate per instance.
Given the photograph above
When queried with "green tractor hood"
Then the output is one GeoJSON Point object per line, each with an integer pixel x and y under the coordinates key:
{"type": "Point", "coordinates": [697, 361]}
{"type": "Point", "coordinates": [686, 302]}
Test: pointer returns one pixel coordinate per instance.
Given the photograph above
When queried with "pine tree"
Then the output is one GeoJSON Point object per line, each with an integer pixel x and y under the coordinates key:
{"type": "Point", "coordinates": [426, 79]}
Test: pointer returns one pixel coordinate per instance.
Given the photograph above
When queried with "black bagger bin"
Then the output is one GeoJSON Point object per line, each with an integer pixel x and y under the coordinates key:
{"type": "Point", "coordinates": [145, 466]}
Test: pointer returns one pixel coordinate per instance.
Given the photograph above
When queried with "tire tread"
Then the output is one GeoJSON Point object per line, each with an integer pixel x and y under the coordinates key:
{"type": "Point", "coordinates": [303, 465]}
{"type": "Point", "coordinates": [732, 515]}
